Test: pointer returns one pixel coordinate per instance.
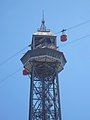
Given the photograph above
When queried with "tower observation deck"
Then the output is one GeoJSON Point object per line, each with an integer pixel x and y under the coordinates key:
{"type": "Point", "coordinates": [42, 64]}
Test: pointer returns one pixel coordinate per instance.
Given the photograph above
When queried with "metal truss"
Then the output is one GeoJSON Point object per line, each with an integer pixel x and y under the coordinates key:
{"type": "Point", "coordinates": [44, 92]}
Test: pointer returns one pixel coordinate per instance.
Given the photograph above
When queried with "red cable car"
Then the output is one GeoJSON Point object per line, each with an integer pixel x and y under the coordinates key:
{"type": "Point", "coordinates": [63, 37]}
{"type": "Point", "coordinates": [25, 72]}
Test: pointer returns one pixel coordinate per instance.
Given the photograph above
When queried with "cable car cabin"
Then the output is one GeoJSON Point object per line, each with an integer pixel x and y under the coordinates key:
{"type": "Point", "coordinates": [43, 39]}
{"type": "Point", "coordinates": [63, 37]}
{"type": "Point", "coordinates": [25, 72]}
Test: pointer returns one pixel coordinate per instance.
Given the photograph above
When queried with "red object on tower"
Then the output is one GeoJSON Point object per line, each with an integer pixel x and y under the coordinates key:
{"type": "Point", "coordinates": [25, 72]}
{"type": "Point", "coordinates": [63, 38]}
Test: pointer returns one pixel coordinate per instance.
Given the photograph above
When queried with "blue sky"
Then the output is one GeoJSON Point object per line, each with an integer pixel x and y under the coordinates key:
{"type": "Point", "coordinates": [19, 19]}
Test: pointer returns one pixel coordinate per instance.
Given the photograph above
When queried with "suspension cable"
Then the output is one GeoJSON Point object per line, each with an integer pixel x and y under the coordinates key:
{"type": "Point", "coordinates": [74, 26]}
{"type": "Point", "coordinates": [9, 58]}
{"type": "Point", "coordinates": [9, 76]}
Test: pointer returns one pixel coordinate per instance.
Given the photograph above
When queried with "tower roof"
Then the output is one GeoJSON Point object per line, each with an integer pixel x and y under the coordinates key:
{"type": "Point", "coordinates": [46, 33]}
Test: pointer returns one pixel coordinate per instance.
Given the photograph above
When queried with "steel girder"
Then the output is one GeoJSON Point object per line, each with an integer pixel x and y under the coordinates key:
{"type": "Point", "coordinates": [44, 92]}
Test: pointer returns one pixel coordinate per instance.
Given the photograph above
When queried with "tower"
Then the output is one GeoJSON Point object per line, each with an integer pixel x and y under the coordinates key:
{"type": "Point", "coordinates": [42, 64]}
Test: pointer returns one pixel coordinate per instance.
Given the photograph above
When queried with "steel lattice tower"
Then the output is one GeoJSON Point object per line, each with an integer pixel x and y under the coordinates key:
{"type": "Point", "coordinates": [43, 63]}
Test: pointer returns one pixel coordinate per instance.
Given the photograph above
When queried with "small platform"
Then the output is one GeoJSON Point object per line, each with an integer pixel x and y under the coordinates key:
{"type": "Point", "coordinates": [43, 55]}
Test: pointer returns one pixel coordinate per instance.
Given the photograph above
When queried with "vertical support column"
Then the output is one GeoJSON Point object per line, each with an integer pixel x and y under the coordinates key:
{"type": "Point", "coordinates": [43, 100]}
{"type": "Point", "coordinates": [31, 93]}
{"type": "Point", "coordinates": [54, 99]}
{"type": "Point", "coordinates": [57, 80]}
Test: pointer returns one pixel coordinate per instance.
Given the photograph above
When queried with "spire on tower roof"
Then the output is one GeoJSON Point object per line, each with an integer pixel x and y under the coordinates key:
{"type": "Point", "coordinates": [43, 27]}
